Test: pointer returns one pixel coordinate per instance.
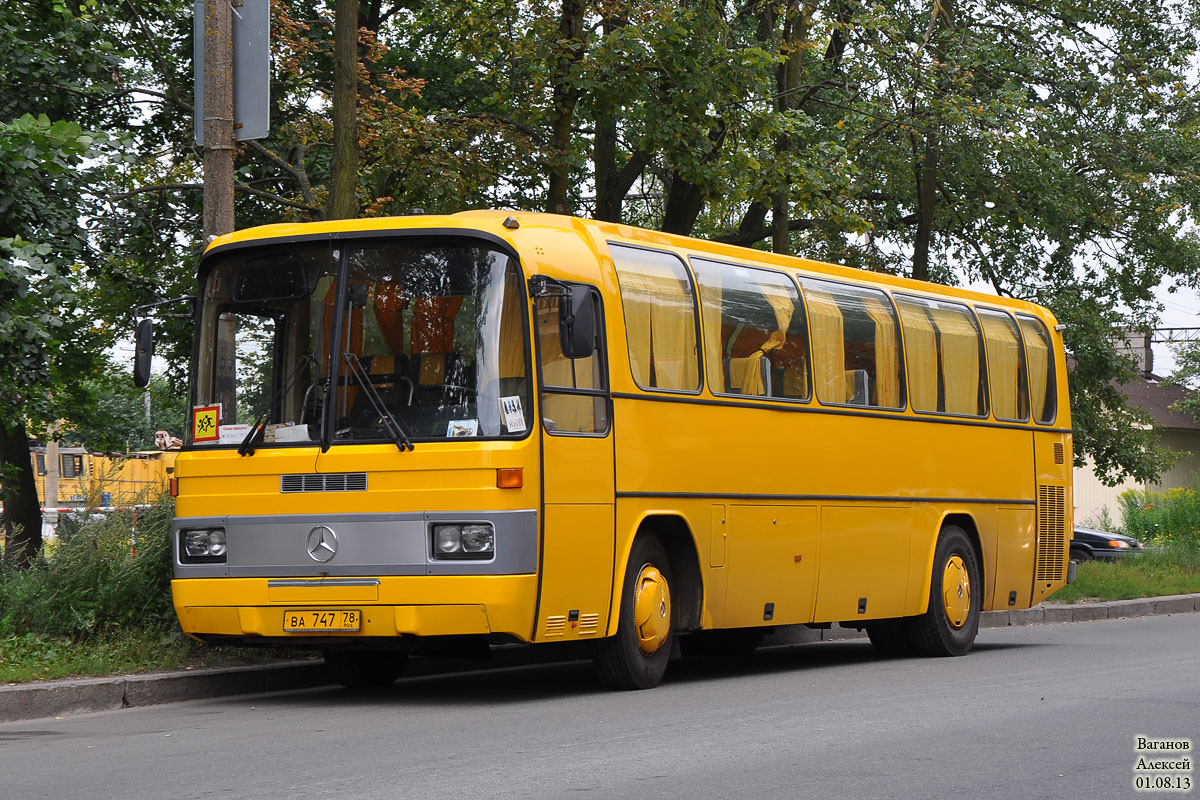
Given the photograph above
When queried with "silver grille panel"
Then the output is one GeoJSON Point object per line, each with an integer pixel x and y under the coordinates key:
{"type": "Point", "coordinates": [334, 482]}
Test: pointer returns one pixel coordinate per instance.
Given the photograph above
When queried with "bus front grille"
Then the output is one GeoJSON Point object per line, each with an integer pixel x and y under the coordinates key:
{"type": "Point", "coordinates": [333, 482]}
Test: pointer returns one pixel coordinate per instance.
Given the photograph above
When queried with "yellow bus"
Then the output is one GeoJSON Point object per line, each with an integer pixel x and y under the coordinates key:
{"type": "Point", "coordinates": [88, 479]}
{"type": "Point", "coordinates": [499, 427]}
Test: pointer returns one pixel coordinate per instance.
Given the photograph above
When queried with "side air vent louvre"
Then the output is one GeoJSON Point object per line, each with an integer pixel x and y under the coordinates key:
{"type": "Point", "coordinates": [334, 482]}
{"type": "Point", "coordinates": [1059, 453]}
{"type": "Point", "coordinates": [1051, 533]}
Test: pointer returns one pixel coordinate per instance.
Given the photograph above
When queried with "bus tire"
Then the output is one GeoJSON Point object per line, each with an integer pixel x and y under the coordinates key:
{"type": "Point", "coordinates": [949, 626]}
{"type": "Point", "coordinates": [364, 669]}
{"type": "Point", "coordinates": [890, 639]}
{"type": "Point", "coordinates": [636, 657]}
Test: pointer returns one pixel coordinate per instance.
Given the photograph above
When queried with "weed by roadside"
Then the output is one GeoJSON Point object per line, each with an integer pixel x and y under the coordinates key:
{"type": "Point", "coordinates": [98, 602]}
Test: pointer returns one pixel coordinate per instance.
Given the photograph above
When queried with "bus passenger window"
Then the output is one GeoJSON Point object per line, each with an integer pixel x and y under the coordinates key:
{"type": "Point", "coordinates": [660, 319]}
{"type": "Point", "coordinates": [1041, 369]}
{"type": "Point", "coordinates": [755, 335]}
{"type": "Point", "coordinates": [944, 351]}
{"type": "Point", "coordinates": [855, 345]}
{"type": "Point", "coordinates": [1006, 365]}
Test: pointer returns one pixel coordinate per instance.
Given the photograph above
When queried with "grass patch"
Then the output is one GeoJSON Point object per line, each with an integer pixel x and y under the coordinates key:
{"type": "Point", "coordinates": [32, 657]}
{"type": "Point", "coordinates": [1165, 571]}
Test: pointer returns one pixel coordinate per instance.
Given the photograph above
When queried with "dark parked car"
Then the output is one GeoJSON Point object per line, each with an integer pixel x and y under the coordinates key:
{"type": "Point", "coordinates": [1088, 544]}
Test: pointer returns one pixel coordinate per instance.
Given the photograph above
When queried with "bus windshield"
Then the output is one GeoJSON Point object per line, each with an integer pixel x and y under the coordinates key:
{"type": "Point", "coordinates": [325, 342]}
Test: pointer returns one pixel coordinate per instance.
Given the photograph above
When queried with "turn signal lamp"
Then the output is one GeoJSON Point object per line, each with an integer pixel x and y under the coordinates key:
{"type": "Point", "coordinates": [1117, 543]}
{"type": "Point", "coordinates": [173, 485]}
{"type": "Point", "coordinates": [510, 478]}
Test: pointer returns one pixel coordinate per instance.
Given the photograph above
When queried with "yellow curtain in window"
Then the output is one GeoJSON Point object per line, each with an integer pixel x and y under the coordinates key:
{"type": "Point", "coordinates": [887, 353]}
{"type": "Point", "coordinates": [782, 305]}
{"type": "Point", "coordinates": [1004, 360]}
{"type": "Point", "coordinates": [829, 346]}
{"type": "Point", "coordinates": [1038, 355]}
{"type": "Point", "coordinates": [512, 339]}
{"type": "Point", "coordinates": [567, 412]}
{"type": "Point", "coordinates": [673, 338]}
{"type": "Point", "coordinates": [960, 360]}
{"type": "Point", "coordinates": [711, 294]}
{"type": "Point", "coordinates": [661, 326]}
{"type": "Point", "coordinates": [920, 346]}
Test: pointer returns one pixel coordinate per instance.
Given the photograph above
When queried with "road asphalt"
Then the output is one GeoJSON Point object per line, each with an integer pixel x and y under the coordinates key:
{"type": "Point", "coordinates": [41, 699]}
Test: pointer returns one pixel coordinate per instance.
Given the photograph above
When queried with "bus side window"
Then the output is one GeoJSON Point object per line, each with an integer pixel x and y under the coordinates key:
{"type": "Point", "coordinates": [1006, 365]}
{"type": "Point", "coordinates": [944, 351]}
{"type": "Point", "coordinates": [855, 345]}
{"type": "Point", "coordinates": [660, 319]}
{"type": "Point", "coordinates": [574, 394]}
{"type": "Point", "coordinates": [755, 336]}
{"type": "Point", "coordinates": [1041, 369]}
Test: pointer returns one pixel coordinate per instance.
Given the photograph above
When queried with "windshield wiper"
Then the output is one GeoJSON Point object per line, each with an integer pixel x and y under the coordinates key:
{"type": "Point", "coordinates": [246, 448]}
{"type": "Point", "coordinates": [393, 428]}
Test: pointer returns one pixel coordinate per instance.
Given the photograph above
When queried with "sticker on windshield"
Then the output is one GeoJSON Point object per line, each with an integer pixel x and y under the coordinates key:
{"type": "Point", "coordinates": [233, 434]}
{"type": "Point", "coordinates": [514, 416]}
{"type": "Point", "coordinates": [462, 427]}
{"type": "Point", "coordinates": [206, 421]}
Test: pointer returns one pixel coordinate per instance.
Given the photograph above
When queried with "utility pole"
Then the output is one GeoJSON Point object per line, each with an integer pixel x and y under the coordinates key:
{"type": "Point", "coordinates": [218, 118]}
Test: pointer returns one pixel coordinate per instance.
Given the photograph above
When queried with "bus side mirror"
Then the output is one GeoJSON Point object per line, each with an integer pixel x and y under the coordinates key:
{"type": "Point", "coordinates": [144, 345]}
{"type": "Point", "coordinates": [576, 322]}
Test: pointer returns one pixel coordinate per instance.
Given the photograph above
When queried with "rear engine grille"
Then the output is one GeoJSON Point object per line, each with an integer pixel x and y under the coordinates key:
{"type": "Point", "coordinates": [1051, 533]}
{"type": "Point", "coordinates": [334, 482]}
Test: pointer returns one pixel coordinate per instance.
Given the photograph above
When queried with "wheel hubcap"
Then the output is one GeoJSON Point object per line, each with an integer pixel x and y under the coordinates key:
{"type": "Point", "coordinates": [956, 591]}
{"type": "Point", "coordinates": [651, 609]}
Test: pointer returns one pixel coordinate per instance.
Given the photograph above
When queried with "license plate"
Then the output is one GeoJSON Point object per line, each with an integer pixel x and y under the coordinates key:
{"type": "Point", "coordinates": [322, 619]}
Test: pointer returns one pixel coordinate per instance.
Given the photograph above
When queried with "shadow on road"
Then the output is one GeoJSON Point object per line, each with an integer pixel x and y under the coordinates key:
{"type": "Point", "coordinates": [528, 676]}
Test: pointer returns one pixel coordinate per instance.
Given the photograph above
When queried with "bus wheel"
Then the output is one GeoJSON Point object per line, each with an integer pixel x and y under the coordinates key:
{"type": "Point", "coordinates": [949, 627]}
{"type": "Point", "coordinates": [364, 669]}
{"type": "Point", "coordinates": [890, 639]}
{"type": "Point", "coordinates": [637, 656]}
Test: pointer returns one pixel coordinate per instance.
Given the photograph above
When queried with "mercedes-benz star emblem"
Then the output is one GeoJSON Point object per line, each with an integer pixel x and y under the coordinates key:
{"type": "Point", "coordinates": [322, 544]}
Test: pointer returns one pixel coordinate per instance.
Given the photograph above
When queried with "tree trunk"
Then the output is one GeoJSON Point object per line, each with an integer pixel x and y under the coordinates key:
{"type": "Point", "coordinates": [566, 97]}
{"type": "Point", "coordinates": [22, 511]}
{"type": "Point", "coordinates": [787, 82]}
{"type": "Point", "coordinates": [684, 203]}
{"type": "Point", "coordinates": [343, 182]}
{"type": "Point", "coordinates": [941, 22]}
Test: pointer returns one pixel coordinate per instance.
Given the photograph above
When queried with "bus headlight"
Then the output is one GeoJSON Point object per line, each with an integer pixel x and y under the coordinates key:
{"type": "Point", "coordinates": [202, 545]}
{"type": "Point", "coordinates": [471, 540]}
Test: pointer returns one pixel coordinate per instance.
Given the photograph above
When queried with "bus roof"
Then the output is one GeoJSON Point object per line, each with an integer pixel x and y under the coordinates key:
{"type": "Point", "coordinates": [522, 238]}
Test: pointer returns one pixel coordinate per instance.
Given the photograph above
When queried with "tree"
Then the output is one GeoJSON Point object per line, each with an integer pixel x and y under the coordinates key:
{"type": "Point", "coordinates": [60, 65]}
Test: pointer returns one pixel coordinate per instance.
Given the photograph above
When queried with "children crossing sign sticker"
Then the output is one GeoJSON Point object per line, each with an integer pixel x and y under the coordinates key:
{"type": "Point", "coordinates": [206, 424]}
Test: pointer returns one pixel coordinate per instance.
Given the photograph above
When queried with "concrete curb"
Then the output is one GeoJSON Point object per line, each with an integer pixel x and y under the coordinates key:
{"type": "Point", "coordinates": [80, 696]}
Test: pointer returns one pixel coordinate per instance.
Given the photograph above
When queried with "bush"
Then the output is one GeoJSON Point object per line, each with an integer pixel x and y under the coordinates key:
{"type": "Point", "coordinates": [1169, 521]}
{"type": "Point", "coordinates": [100, 575]}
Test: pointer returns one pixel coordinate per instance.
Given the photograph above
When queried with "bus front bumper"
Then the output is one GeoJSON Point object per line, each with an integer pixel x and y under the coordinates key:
{"type": "Point", "coordinates": [253, 610]}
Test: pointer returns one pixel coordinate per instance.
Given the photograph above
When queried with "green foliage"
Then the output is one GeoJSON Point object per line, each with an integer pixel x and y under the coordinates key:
{"type": "Point", "coordinates": [102, 577]}
{"type": "Point", "coordinates": [1169, 520]}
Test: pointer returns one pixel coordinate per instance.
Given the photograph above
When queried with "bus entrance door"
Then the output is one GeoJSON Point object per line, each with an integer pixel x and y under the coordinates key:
{"type": "Point", "coordinates": [577, 484]}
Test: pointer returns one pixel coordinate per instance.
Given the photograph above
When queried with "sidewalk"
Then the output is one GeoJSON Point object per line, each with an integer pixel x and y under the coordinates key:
{"type": "Point", "coordinates": [78, 696]}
